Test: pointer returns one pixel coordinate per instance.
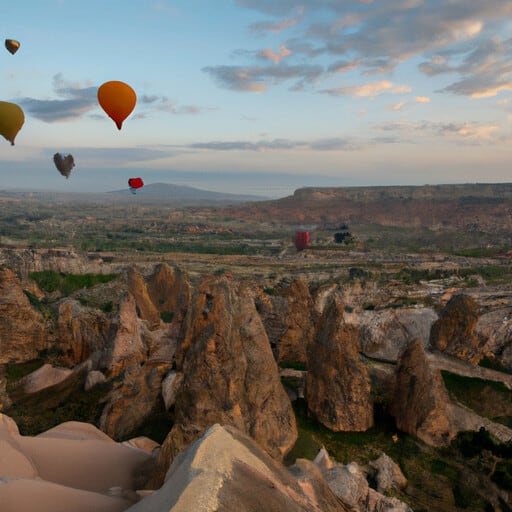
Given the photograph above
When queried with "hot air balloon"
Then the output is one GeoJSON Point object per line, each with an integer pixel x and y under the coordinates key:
{"type": "Point", "coordinates": [134, 184]}
{"type": "Point", "coordinates": [12, 45]}
{"type": "Point", "coordinates": [118, 100]}
{"type": "Point", "coordinates": [64, 163]}
{"type": "Point", "coordinates": [11, 120]}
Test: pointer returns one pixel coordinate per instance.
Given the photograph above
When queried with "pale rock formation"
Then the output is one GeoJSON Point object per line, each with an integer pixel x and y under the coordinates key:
{"type": "Point", "coordinates": [93, 378]}
{"type": "Point", "coordinates": [495, 330]}
{"type": "Point", "coordinates": [386, 333]}
{"type": "Point", "coordinates": [226, 470]}
{"type": "Point", "coordinates": [44, 377]}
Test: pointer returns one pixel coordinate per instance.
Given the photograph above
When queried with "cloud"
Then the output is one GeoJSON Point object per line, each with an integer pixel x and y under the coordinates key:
{"type": "Point", "coordinates": [397, 106]}
{"type": "Point", "coordinates": [369, 90]}
{"type": "Point", "coordinates": [275, 57]}
{"type": "Point", "coordinates": [375, 37]}
{"type": "Point", "coordinates": [467, 131]}
{"type": "Point", "coordinates": [263, 26]}
{"type": "Point", "coordinates": [75, 100]}
{"type": "Point", "coordinates": [421, 99]}
{"type": "Point", "coordinates": [258, 78]}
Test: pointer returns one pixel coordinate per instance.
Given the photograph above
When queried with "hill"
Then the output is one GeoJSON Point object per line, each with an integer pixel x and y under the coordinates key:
{"type": "Point", "coordinates": [473, 207]}
{"type": "Point", "coordinates": [184, 193]}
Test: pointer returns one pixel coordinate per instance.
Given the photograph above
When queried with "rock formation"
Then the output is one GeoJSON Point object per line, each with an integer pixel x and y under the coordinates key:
{"type": "Point", "coordinates": [229, 375]}
{"type": "Point", "coordinates": [22, 327]}
{"type": "Point", "coordinates": [420, 400]}
{"type": "Point", "coordinates": [385, 334]}
{"type": "Point", "coordinates": [81, 331]}
{"type": "Point", "coordinates": [454, 331]}
{"type": "Point", "coordinates": [337, 382]}
{"type": "Point", "coordinates": [289, 318]}
{"type": "Point", "coordinates": [226, 470]}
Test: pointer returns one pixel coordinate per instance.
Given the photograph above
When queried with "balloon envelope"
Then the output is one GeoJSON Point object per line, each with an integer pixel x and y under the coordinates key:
{"type": "Point", "coordinates": [12, 45]}
{"type": "Point", "coordinates": [11, 120]}
{"type": "Point", "coordinates": [118, 100]}
{"type": "Point", "coordinates": [64, 164]}
{"type": "Point", "coordinates": [134, 184]}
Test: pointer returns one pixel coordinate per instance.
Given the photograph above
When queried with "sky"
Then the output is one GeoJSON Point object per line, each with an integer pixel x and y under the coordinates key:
{"type": "Point", "coordinates": [260, 96]}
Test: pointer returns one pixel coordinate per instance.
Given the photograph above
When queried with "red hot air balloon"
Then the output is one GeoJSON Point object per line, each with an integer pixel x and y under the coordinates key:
{"type": "Point", "coordinates": [134, 184]}
{"type": "Point", "coordinates": [118, 100]}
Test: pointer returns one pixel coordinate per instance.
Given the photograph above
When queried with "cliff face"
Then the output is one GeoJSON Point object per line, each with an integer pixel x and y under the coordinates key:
{"type": "Point", "coordinates": [22, 327]}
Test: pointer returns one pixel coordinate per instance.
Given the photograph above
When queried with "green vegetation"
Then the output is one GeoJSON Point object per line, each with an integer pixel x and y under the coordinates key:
{"type": "Point", "coordinates": [167, 316]}
{"type": "Point", "coordinates": [66, 284]}
{"type": "Point", "coordinates": [486, 397]}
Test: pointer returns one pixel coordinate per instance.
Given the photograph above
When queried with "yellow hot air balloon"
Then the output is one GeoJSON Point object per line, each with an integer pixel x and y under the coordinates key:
{"type": "Point", "coordinates": [12, 45]}
{"type": "Point", "coordinates": [118, 100]}
{"type": "Point", "coordinates": [11, 120]}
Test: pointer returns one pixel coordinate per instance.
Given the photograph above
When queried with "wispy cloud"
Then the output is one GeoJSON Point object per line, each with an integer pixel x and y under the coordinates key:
{"type": "Point", "coordinates": [258, 78]}
{"type": "Point", "coordinates": [369, 90]}
{"type": "Point", "coordinates": [468, 131]}
{"type": "Point", "coordinates": [266, 53]}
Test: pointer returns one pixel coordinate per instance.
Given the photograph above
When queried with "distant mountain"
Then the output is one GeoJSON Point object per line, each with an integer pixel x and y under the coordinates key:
{"type": "Point", "coordinates": [185, 194]}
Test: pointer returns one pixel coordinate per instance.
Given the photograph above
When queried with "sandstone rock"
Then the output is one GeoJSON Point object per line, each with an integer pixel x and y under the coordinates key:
{"type": "Point", "coordinates": [337, 383]}
{"type": "Point", "coordinates": [454, 331]}
{"type": "Point", "coordinates": [127, 348]}
{"type": "Point", "coordinates": [387, 474]}
{"type": "Point", "coordinates": [288, 317]}
{"type": "Point", "coordinates": [145, 307]}
{"type": "Point", "coordinates": [22, 327]}
{"type": "Point", "coordinates": [44, 377]}
{"type": "Point", "coordinates": [384, 334]}
{"type": "Point", "coordinates": [170, 384]}
{"type": "Point", "coordinates": [81, 331]}
{"type": "Point", "coordinates": [229, 373]}
{"type": "Point", "coordinates": [169, 290]}
{"type": "Point", "coordinates": [420, 399]}
{"type": "Point", "coordinates": [494, 328]}
{"type": "Point", "coordinates": [93, 378]}
{"type": "Point", "coordinates": [226, 470]}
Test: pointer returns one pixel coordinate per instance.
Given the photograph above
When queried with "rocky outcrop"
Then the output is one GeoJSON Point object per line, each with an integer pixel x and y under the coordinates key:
{"type": "Point", "coordinates": [81, 331]}
{"type": "Point", "coordinates": [454, 331]}
{"type": "Point", "coordinates": [420, 400]}
{"type": "Point", "coordinates": [22, 327]}
{"type": "Point", "coordinates": [145, 307]}
{"type": "Point", "coordinates": [494, 328]}
{"type": "Point", "coordinates": [350, 482]}
{"type": "Point", "coordinates": [229, 375]}
{"type": "Point", "coordinates": [385, 334]}
{"type": "Point", "coordinates": [169, 290]}
{"type": "Point", "coordinates": [226, 470]}
{"type": "Point", "coordinates": [288, 315]}
{"type": "Point", "coordinates": [337, 382]}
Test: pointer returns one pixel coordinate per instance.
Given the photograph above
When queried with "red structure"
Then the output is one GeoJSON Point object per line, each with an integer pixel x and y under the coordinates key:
{"type": "Point", "coordinates": [302, 240]}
